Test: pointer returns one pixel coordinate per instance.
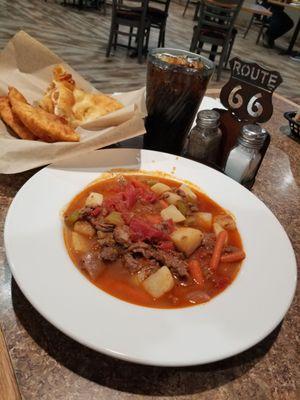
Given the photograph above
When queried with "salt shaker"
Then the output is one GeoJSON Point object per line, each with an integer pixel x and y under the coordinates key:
{"type": "Point", "coordinates": [244, 159]}
{"type": "Point", "coordinates": [203, 141]}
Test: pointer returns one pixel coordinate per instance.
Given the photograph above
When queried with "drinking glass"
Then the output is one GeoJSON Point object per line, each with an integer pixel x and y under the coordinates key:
{"type": "Point", "coordinates": [176, 83]}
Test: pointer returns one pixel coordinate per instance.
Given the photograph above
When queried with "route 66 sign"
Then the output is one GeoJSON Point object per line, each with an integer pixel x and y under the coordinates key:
{"type": "Point", "coordinates": [248, 93]}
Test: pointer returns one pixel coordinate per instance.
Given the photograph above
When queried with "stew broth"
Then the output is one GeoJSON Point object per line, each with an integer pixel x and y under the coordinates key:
{"type": "Point", "coordinates": [124, 276]}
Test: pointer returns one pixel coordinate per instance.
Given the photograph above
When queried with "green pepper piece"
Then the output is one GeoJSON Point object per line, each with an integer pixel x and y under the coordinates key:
{"type": "Point", "coordinates": [114, 218]}
{"type": "Point", "coordinates": [182, 207]}
{"type": "Point", "coordinates": [72, 218]}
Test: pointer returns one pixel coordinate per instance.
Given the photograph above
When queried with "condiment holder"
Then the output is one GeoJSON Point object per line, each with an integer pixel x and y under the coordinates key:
{"type": "Point", "coordinates": [243, 143]}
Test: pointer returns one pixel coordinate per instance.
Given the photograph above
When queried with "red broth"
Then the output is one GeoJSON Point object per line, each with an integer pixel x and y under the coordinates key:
{"type": "Point", "coordinates": [120, 282]}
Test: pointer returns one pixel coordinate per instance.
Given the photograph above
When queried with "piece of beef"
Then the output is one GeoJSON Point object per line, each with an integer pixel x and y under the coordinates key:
{"type": "Point", "coordinates": [106, 239]}
{"type": "Point", "coordinates": [175, 261]}
{"type": "Point", "coordinates": [105, 227]}
{"type": "Point", "coordinates": [92, 264]}
{"type": "Point", "coordinates": [108, 253]}
{"type": "Point", "coordinates": [172, 259]}
{"type": "Point", "coordinates": [208, 241]}
{"type": "Point", "coordinates": [132, 264]}
{"type": "Point", "coordinates": [181, 193]}
{"type": "Point", "coordinates": [122, 235]}
{"type": "Point", "coordinates": [85, 211]}
{"type": "Point", "coordinates": [143, 249]}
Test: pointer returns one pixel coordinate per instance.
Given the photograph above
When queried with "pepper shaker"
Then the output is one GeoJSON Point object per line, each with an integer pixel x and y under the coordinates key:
{"type": "Point", "coordinates": [203, 141]}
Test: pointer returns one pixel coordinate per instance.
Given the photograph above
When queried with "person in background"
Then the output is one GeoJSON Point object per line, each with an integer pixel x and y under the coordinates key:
{"type": "Point", "coordinates": [279, 24]}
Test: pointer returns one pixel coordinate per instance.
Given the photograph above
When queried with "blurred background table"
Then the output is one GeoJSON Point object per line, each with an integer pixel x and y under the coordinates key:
{"type": "Point", "coordinates": [48, 365]}
{"type": "Point", "coordinates": [294, 7]}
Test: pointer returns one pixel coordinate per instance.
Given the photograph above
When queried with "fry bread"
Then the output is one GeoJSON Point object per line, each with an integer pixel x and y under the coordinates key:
{"type": "Point", "coordinates": [59, 98]}
{"type": "Point", "coordinates": [13, 121]}
{"type": "Point", "coordinates": [90, 106]}
{"type": "Point", "coordinates": [46, 102]}
{"type": "Point", "coordinates": [62, 98]}
{"type": "Point", "coordinates": [45, 126]}
{"type": "Point", "coordinates": [13, 93]}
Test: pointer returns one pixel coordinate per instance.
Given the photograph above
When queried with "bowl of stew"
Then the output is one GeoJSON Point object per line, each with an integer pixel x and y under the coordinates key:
{"type": "Point", "coordinates": [152, 240]}
{"type": "Point", "coordinates": [149, 257]}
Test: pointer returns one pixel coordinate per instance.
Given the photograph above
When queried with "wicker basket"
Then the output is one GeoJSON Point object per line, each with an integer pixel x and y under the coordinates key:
{"type": "Point", "coordinates": [295, 126]}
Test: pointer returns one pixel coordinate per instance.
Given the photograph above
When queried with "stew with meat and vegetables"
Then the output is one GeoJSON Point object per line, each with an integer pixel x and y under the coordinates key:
{"type": "Point", "coordinates": [152, 241]}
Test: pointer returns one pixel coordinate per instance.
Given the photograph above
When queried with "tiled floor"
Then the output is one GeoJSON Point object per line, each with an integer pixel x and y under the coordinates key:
{"type": "Point", "coordinates": [80, 38]}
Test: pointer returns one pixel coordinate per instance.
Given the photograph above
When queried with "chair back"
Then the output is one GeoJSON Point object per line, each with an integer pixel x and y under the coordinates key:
{"type": "Point", "coordinates": [161, 4]}
{"type": "Point", "coordinates": [130, 6]}
{"type": "Point", "coordinates": [219, 15]}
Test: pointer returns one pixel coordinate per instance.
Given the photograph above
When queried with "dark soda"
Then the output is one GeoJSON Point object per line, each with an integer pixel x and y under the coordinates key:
{"type": "Point", "coordinates": [176, 83]}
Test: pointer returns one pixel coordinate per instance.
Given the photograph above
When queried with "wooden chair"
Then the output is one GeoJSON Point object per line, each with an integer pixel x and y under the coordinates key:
{"type": "Point", "coordinates": [216, 27]}
{"type": "Point", "coordinates": [188, 2]}
{"type": "Point", "coordinates": [158, 16]}
{"type": "Point", "coordinates": [259, 18]}
{"type": "Point", "coordinates": [131, 14]}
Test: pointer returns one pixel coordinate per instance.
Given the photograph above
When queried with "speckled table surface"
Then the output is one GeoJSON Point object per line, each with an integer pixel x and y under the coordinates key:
{"type": "Point", "coordinates": [49, 365]}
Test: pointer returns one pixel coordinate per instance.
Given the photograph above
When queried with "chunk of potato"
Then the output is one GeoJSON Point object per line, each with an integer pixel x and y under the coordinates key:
{"type": "Point", "coordinates": [159, 283]}
{"type": "Point", "coordinates": [84, 228]}
{"type": "Point", "coordinates": [171, 197]}
{"type": "Point", "coordinates": [80, 243]}
{"type": "Point", "coordinates": [203, 219]}
{"type": "Point", "coordinates": [217, 229]}
{"type": "Point", "coordinates": [226, 221]}
{"type": "Point", "coordinates": [187, 239]}
{"type": "Point", "coordinates": [159, 188]}
{"type": "Point", "coordinates": [94, 200]}
{"type": "Point", "coordinates": [188, 191]}
{"type": "Point", "coordinates": [172, 213]}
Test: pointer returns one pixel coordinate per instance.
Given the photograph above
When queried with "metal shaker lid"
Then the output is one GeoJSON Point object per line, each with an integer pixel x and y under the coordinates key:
{"type": "Point", "coordinates": [208, 118]}
{"type": "Point", "coordinates": [252, 135]}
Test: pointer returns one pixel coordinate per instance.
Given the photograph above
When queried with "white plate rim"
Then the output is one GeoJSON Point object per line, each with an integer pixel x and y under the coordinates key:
{"type": "Point", "coordinates": [143, 360]}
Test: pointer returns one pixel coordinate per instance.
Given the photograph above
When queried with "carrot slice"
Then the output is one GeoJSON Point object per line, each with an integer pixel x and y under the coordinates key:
{"type": "Point", "coordinates": [163, 203]}
{"type": "Point", "coordinates": [196, 272]}
{"type": "Point", "coordinates": [216, 256]}
{"type": "Point", "coordinates": [233, 257]}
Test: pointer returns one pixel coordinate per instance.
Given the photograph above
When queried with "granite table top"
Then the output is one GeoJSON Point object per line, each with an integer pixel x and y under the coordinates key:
{"type": "Point", "coordinates": [49, 365]}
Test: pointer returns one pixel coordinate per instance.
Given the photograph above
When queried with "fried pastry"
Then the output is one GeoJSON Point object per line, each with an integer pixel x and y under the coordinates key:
{"type": "Point", "coordinates": [59, 98]}
{"type": "Point", "coordinates": [90, 106]}
{"type": "Point", "coordinates": [45, 126]}
{"type": "Point", "coordinates": [14, 94]}
{"type": "Point", "coordinates": [62, 98]}
{"type": "Point", "coordinates": [13, 121]}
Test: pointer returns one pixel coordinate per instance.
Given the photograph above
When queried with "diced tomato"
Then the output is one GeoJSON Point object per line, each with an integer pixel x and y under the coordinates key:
{"type": "Point", "coordinates": [170, 225]}
{"type": "Point", "coordinates": [141, 230]}
{"type": "Point", "coordinates": [153, 218]}
{"type": "Point", "coordinates": [138, 184]}
{"type": "Point", "coordinates": [96, 211]}
{"type": "Point", "coordinates": [148, 196]}
{"type": "Point", "coordinates": [127, 216]}
{"type": "Point", "coordinates": [166, 245]}
{"type": "Point", "coordinates": [145, 193]}
{"type": "Point", "coordinates": [130, 195]}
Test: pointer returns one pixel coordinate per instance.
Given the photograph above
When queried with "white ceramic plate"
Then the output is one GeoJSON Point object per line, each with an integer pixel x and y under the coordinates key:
{"type": "Point", "coordinates": [246, 312]}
